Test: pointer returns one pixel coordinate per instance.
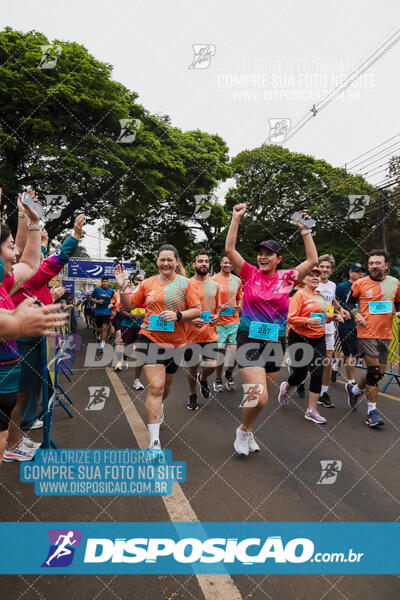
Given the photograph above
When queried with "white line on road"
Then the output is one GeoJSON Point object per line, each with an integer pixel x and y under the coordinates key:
{"type": "Point", "coordinates": [214, 587]}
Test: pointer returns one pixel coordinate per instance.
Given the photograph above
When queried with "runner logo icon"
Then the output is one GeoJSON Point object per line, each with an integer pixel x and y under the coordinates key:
{"type": "Point", "coordinates": [62, 547]}
{"type": "Point", "coordinates": [329, 471]}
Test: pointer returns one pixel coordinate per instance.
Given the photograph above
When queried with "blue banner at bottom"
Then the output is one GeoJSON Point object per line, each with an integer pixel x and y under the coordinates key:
{"type": "Point", "coordinates": [180, 548]}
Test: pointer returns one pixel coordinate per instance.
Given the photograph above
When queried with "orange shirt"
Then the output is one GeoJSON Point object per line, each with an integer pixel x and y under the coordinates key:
{"type": "Point", "coordinates": [231, 293]}
{"type": "Point", "coordinates": [179, 295]}
{"type": "Point", "coordinates": [209, 295]}
{"type": "Point", "coordinates": [115, 302]}
{"type": "Point", "coordinates": [301, 305]}
{"type": "Point", "coordinates": [379, 326]}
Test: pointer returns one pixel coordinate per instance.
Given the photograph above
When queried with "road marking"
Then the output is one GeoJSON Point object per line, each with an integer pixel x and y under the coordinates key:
{"type": "Point", "coordinates": [379, 393]}
{"type": "Point", "coordinates": [214, 587]}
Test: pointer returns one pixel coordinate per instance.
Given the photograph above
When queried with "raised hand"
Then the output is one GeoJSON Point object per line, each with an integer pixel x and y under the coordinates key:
{"type": "Point", "coordinates": [78, 226]}
{"type": "Point", "coordinates": [239, 210]}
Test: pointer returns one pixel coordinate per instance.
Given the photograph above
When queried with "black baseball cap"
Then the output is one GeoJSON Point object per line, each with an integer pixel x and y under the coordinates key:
{"type": "Point", "coordinates": [356, 267]}
{"type": "Point", "coordinates": [270, 245]}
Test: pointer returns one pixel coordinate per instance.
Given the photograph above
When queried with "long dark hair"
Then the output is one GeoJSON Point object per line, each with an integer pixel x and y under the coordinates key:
{"type": "Point", "coordinates": [4, 233]}
{"type": "Point", "coordinates": [180, 269]}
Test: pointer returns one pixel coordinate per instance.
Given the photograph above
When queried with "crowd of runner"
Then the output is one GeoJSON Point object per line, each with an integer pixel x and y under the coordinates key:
{"type": "Point", "coordinates": [245, 317]}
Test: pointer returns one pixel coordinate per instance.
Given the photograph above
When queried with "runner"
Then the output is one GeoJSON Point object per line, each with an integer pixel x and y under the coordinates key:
{"type": "Point", "coordinates": [202, 330]}
{"type": "Point", "coordinates": [101, 297]}
{"type": "Point", "coordinates": [348, 329]}
{"type": "Point", "coordinates": [263, 319]}
{"type": "Point", "coordinates": [326, 264]}
{"type": "Point", "coordinates": [231, 292]}
{"type": "Point", "coordinates": [376, 295]}
{"type": "Point", "coordinates": [307, 338]}
{"type": "Point", "coordinates": [171, 299]}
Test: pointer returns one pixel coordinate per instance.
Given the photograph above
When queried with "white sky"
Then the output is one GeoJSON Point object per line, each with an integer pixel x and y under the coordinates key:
{"type": "Point", "coordinates": [288, 48]}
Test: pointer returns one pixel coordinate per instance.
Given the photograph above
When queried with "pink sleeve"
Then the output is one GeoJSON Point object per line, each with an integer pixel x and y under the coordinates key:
{"type": "Point", "coordinates": [247, 271]}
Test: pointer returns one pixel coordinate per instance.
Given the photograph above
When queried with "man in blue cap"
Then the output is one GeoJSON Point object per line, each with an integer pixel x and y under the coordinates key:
{"type": "Point", "coordinates": [348, 329]}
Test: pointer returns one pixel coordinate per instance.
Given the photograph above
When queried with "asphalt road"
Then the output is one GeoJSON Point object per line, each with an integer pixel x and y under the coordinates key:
{"type": "Point", "coordinates": [277, 484]}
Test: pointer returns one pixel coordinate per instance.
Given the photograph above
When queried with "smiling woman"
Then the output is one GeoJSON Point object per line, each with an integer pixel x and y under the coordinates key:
{"type": "Point", "coordinates": [170, 299]}
{"type": "Point", "coordinates": [262, 328]}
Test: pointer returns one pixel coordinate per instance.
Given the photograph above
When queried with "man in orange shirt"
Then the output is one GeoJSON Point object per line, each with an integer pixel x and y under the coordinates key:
{"type": "Point", "coordinates": [231, 292]}
{"type": "Point", "coordinates": [202, 330]}
{"type": "Point", "coordinates": [377, 296]}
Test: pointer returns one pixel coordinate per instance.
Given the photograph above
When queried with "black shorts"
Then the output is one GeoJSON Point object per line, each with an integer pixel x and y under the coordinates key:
{"type": "Point", "coordinates": [7, 403]}
{"type": "Point", "coordinates": [152, 354]}
{"type": "Point", "coordinates": [259, 353]}
{"type": "Point", "coordinates": [129, 334]}
{"type": "Point", "coordinates": [116, 322]}
{"type": "Point", "coordinates": [100, 319]}
{"type": "Point", "coordinates": [348, 339]}
{"type": "Point", "coordinates": [195, 351]}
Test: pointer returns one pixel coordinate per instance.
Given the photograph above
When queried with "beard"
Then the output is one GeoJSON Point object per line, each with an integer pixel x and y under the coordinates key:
{"type": "Point", "coordinates": [202, 270]}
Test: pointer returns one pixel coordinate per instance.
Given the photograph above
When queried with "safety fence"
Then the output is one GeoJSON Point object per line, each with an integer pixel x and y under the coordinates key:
{"type": "Point", "coordinates": [58, 357]}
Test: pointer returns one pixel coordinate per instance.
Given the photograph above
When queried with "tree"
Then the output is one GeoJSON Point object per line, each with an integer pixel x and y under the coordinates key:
{"type": "Point", "coordinates": [275, 183]}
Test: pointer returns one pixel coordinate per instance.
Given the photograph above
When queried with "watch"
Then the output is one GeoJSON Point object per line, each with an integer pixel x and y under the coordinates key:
{"type": "Point", "coordinates": [178, 316]}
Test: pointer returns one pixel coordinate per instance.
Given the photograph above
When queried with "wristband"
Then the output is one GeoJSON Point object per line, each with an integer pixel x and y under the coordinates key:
{"type": "Point", "coordinates": [305, 231]}
{"type": "Point", "coordinates": [34, 227]}
{"type": "Point", "coordinates": [178, 316]}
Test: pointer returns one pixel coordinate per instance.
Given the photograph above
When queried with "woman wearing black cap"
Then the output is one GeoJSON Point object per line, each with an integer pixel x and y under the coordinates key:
{"type": "Point", "coordinates": [262, 328]}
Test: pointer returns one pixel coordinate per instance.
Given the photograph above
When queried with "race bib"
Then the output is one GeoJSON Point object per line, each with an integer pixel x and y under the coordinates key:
{"type": "Point", "coordinates": [264, 331]}
{"type": "Point", "coordinates": [228, 312]}
{"type": "Point", "coordinates": [138, 311]}
{"type": "Point", "coordinates": [321, 316]}
{"type": "Point", "coordinates": [330, 310]}
{"type": "Point", "coordinates": [206, 316]}
{"type": "Point", "coordinates": [380, 308]}
{"type": "Point", "coordinates": [158, 324]}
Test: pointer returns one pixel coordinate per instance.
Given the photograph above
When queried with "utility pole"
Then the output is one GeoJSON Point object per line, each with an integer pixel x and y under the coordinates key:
{"type": "Point", "coordinates": [99, 244]}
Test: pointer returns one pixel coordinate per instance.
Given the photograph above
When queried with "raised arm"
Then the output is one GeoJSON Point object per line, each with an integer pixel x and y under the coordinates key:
{"type": "Point", "coordinates": [311, 252]}
{"type": "Point", "coordinates": [230, 243]}
{"type": "Point", "coordinates": [30, 259]}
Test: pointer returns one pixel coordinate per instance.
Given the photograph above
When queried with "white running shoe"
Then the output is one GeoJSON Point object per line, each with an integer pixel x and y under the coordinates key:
{"type": "Point", "coordinates": [138, 385]}
{"type": "Point", "coordinates": [241, 443]}
{"type": "Point", "coordinates": [253, 446]}
{"type": "Point", "coordinates": [118, 367]}
{"type": "Point", "coordinates": [30, 443]}
{"type": "Point", "coordinates": [21, 453]}
{"type": "Point", "coordinates": [38, 424]}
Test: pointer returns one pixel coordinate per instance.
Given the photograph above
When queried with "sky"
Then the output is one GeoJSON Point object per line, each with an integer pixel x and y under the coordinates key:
{"type": "Point", "coordinates": [266, 60]}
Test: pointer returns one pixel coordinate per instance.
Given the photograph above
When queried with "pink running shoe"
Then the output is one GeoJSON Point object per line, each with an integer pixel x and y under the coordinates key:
{"type": "Point", "coordinates": [313, 415]}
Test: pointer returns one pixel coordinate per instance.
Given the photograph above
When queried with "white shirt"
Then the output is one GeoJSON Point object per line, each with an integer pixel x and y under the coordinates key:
{"type": "Point", "coordinates": [328, 290]}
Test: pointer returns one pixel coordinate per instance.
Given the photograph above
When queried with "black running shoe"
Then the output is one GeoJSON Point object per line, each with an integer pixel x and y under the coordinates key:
{"type": "Point", "coordinates": [204, 389]}
{"type": "Point", "coordinates": [325, 400]}
{"type": "Point", "coordinates": [192, 404]}
{"type": "Point", "coordinates": [301, 390]}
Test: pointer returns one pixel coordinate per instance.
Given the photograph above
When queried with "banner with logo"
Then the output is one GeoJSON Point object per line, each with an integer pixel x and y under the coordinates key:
{"type": "Point", "coordinates": [185, 548]}
{"type": "Point", "coordinates": [69, 286]}
{"type": "Point", "coordinates": [94, 269]}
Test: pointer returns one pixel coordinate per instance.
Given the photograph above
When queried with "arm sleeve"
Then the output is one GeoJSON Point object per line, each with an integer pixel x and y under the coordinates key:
{"type": "Point", "coordinates": [352, 297]}
{"type": "Point", "coordinates": [295, 304]}
{"type": "Point", "coordinates": [52, 265]}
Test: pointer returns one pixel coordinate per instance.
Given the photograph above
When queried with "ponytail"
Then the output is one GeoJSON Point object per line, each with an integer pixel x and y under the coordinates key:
{"type": "Point", "coordinates": [180, 269]}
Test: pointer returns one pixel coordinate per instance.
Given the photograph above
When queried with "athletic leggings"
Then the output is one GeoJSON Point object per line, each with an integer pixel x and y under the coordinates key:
{"type": "Point", "coordinates": [315, 364]}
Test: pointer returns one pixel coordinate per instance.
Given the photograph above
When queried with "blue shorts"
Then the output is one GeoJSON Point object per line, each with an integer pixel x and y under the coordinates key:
{"type": "Point", "coordinates": [227, 334]}
{"type": "Point", "coordinates": [9, 378]}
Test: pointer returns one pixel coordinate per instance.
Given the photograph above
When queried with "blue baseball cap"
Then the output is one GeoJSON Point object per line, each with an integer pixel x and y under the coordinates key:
{"type": "Point", "coordinates": [356, 267]}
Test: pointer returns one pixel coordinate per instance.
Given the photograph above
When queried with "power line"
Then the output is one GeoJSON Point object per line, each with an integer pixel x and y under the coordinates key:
{"type": "Point", "coordinates": [343, 86]}
{"type": "Point", "coordinates": [371, 150]}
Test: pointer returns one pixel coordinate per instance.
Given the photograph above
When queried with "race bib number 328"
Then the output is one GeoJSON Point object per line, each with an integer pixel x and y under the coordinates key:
{"type": "Point", "coordinates": [158, 324]}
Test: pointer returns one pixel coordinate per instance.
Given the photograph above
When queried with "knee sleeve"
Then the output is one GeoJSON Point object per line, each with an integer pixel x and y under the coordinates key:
{"type": "Point", "coordinates": [374, 375]}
